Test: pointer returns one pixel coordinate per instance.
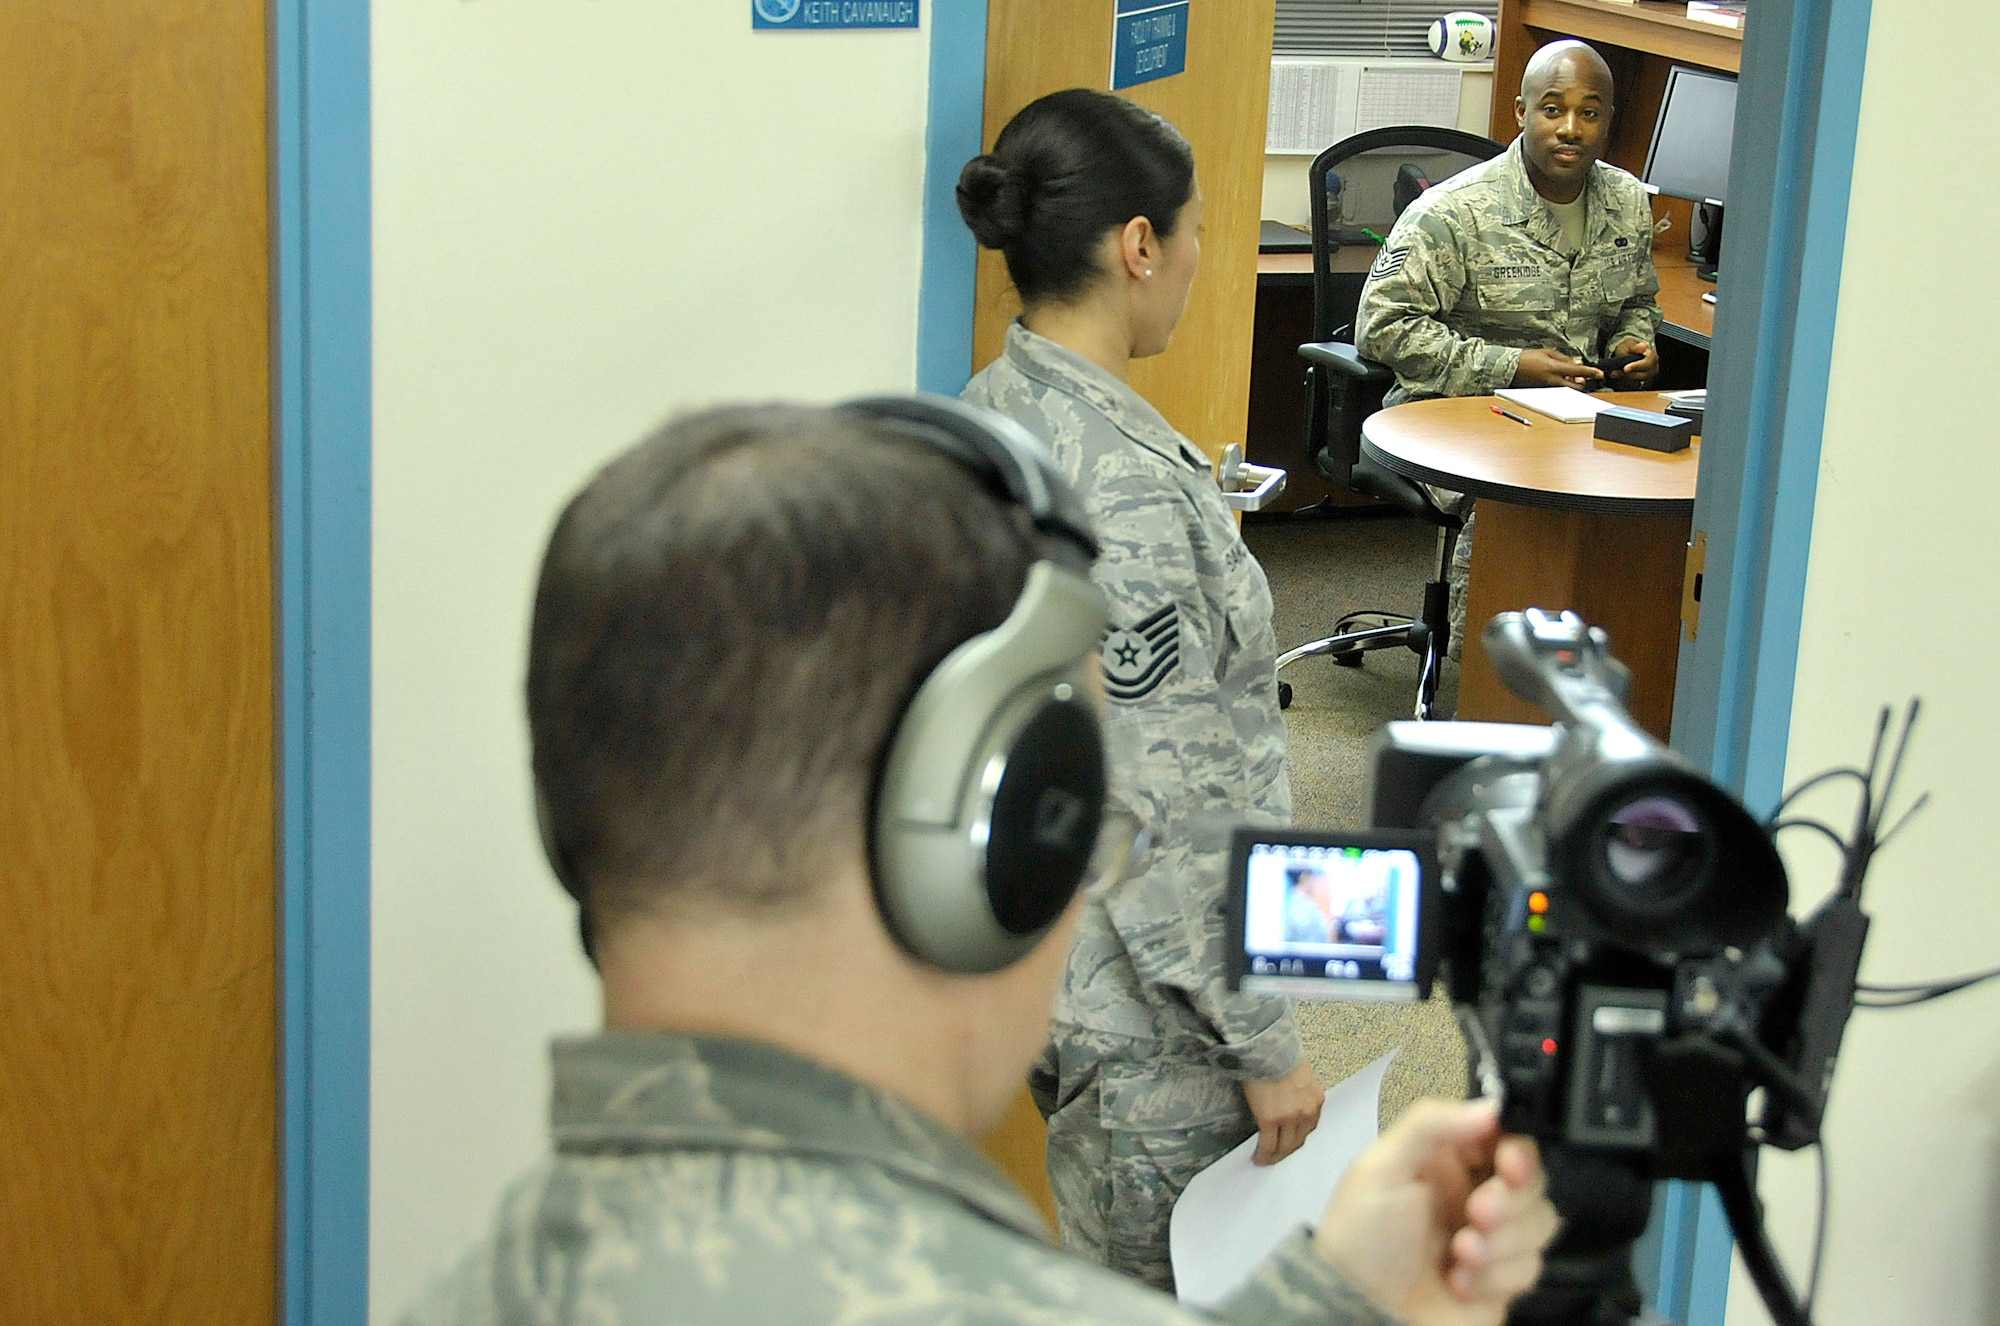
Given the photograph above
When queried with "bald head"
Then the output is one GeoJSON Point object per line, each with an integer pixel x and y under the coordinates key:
{"type": "Point", "coordinates": [1564, 111]}
{"type": "Point", "coordinates": [1572, 60]}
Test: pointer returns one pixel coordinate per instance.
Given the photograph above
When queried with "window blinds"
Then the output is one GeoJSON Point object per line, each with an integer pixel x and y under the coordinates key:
{"type": "Point", "coordinates": [1365, 27]}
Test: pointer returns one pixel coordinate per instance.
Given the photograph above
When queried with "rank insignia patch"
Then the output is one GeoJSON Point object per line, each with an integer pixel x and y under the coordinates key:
{"type": "Point", "coordinates": [1138, 658]}
{"type": "Point", "coordinates": [1387, 263]}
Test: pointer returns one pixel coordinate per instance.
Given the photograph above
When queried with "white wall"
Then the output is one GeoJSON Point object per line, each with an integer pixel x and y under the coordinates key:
{"type": "Point", "coordinates": [1286, 197]}
{"type": "Point", "coordinates": [587, 215]}
{"type": "Point", "coordinates": [1900, 601]}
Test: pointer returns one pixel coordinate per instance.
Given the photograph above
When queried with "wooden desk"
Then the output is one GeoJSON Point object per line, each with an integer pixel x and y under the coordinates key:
{"type": "Point", "coordinates": [1688, 318]}
{"type": "Point", "coordinates": [1276, 431]}
{"type": "Point", "coordinates": [1565, 521]}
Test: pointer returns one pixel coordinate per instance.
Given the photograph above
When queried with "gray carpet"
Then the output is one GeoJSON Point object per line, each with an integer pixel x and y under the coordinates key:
{"type": "Point", "coordinates": [1318, 570]}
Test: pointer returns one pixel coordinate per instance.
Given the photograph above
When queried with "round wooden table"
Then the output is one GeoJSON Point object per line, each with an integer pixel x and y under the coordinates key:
{"type": "Point", "coordinates": [1565, 521]}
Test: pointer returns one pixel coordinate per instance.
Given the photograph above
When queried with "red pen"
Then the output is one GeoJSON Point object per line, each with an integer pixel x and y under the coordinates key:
{"type": "Point", "coordinates": [1510, 415]}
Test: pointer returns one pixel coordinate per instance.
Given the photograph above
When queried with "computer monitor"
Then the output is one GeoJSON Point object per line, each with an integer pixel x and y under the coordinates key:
{"type": "Point", "coordinates": [1689, 157]}
{"type": "Point", "coordinates": [1690, 153]}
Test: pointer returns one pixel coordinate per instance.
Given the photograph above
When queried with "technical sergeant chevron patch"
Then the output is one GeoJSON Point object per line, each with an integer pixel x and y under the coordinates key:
{"type": "Point", "coordinates": [1138, 658]}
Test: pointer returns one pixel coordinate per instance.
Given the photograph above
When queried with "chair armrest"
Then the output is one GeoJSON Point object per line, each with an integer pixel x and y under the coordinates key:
{"type": "Point", "coordinates": [1345, 360]}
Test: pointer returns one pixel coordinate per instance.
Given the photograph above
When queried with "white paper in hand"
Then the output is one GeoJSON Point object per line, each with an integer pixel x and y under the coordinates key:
{"type": "Point", "coordinates": [1233, 1213]}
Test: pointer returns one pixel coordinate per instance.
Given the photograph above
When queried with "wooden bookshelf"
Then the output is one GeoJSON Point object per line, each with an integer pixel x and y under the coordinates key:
{"type": "Point", "coordinates": [1659, 27]}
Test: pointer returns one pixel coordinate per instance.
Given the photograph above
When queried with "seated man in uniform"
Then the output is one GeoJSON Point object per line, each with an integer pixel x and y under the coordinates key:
{"type": "Point", "coordinates": [774, 1124]}
{"type": "Point", "coordinates": [1521, 270]}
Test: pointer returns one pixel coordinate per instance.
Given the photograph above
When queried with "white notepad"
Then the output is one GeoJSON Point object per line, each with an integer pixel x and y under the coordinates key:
{"type": "Point", "coordinates": [1563, 404]}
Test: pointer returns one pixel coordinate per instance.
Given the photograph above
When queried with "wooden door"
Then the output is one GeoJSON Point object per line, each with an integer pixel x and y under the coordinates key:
{"type": "Point", "coordinates": [1034, 47]}
{"type": "Point", "coordinates": [1202, 383]}
{"type": "Point", "coordinates": [138, 1061]}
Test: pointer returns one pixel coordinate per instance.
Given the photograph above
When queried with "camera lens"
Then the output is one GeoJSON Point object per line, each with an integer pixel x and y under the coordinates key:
{"type": "Point", "coordinates": [1654, 849]}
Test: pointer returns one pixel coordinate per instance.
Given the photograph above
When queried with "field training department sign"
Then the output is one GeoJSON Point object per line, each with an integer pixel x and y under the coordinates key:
{"type": "Point", "coordinates": [1148, 41]}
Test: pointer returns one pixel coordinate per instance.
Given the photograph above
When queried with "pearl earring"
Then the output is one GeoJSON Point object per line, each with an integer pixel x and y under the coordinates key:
{"type": "Point", "coordinates": [1149, 271]}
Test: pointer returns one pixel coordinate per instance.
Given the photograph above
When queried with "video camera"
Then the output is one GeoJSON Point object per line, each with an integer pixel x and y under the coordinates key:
{"type": "Point", "coordinates": [1613, 931]}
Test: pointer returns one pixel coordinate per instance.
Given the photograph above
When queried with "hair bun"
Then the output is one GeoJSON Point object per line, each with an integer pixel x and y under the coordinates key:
{"type": "Point", "coordinates": [992, 201]}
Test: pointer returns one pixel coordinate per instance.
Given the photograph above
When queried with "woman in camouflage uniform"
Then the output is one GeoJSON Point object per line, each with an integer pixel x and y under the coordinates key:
{"type": "Point", "coordinates": [1155, 1068]}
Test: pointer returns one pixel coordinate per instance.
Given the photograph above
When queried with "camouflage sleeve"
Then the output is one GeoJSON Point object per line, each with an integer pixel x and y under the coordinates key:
{"type": "Point", "coordinates": [1174, 751]}
{"type": "Point", "coordinates": [1416, 279]}
{"type": "Point", "coordinates": [1296, 1284]}
{"type": "Point", "coordinates": [1640, 317]}
{"type": "Point", "coordinates": [1169, 918]}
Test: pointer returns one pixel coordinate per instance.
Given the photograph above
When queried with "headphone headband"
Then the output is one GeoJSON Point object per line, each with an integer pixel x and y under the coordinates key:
{"type": "Point", "coordinates": [1011, 461]}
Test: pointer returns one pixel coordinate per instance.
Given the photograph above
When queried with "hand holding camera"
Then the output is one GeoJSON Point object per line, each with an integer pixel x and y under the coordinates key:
{"type": "Point", "coordinates": [1443, 1221]}
{"type": "Point", "coordinates": [1614, 933]}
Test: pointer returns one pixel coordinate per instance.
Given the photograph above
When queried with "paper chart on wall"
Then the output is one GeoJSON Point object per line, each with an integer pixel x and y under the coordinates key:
{"type": "Point", "coordinates": [1315, 103]}
{"type": "Point", "coordinates": [1312, 104]}
{"type": "Point", "coordinates": [1233, 1213]}
{"type": "Point", "coordinates": [1406, 96]}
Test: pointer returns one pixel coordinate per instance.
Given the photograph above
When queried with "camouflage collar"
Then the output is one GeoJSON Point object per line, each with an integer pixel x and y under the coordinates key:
{"type": "Point", "coordinates": [1532, 212]}
{"type": "Point", "coordinates": [644, 1091]}
{"type": "Point", "coordinates": [1065, 370]}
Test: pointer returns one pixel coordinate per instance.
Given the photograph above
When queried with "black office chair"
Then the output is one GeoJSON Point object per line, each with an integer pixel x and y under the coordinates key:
{"type": "Point", "coordinates": [1385, 170]}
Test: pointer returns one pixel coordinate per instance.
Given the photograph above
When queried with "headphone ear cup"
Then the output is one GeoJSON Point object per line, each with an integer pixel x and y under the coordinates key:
{"type": "Point", "coordinates": [1045, 818]}
{"type": "Point", "coordinates": [991, 793]}
{"type": "Point", "coordinates": [978, 893]}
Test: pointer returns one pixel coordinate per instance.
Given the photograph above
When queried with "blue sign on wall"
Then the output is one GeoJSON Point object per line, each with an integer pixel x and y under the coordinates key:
{"type": "Point", "coordinates": [832, 15]}
{"type": "Point", "coordinates": [1148, 41]}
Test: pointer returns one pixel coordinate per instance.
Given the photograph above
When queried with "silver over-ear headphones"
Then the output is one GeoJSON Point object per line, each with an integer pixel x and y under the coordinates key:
{"type": "Point", "coordinates": [991, 791]}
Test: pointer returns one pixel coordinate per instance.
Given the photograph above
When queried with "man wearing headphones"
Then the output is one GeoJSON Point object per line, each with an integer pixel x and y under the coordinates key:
{"type": "Point", "coordinates": [815, 745]}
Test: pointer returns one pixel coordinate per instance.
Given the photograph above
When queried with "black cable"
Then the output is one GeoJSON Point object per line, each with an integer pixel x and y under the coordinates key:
{"type": "Point", "coordinates": [1910, 999]}
{"type": "Point", "coordinates": [1819, 1224]}
{"type": "Point", "coordinates": [1815, 781]}
{"type": "Point", "coordinates": [1896, 760]}
{"type": "Point", "coordinates": [1924, 987]}
{"type": "Point", "coordinates": [1903, 819]}
{"type": "Point", "coordinates": [1774, 1075]}
{"type": "Point", "coordinates": [1868, 836]}
{"type": "Point", "coordinates": [1746, 1222]}
{"type": "Point", "coordinates": [1820, 826]}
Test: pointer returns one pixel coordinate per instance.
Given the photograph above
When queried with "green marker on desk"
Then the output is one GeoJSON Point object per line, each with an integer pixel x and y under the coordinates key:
{"type": "Point", "coordinates": [1372, 235]}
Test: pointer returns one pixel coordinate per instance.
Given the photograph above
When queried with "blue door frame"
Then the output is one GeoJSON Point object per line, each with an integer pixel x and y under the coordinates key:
{"type": "Point", "coordinates": [322, 345]}
{"type": "Point", "coordinates": [1791, 165]}
{"type": "Point", "coordinates": [1796, 126]}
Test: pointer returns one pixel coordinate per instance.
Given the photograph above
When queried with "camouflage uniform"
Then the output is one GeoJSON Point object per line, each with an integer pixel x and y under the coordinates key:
{"type": "Point", "coordinates": [1142, 1084]}
{"type": "Point", "coordinates": [1474, 273]}
{"type": "Point", "coordinates": [716, 1182]}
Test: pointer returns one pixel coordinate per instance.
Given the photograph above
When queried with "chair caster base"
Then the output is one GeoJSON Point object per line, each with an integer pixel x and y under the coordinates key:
{"type": "Point", "coordinates": [1351, 658]}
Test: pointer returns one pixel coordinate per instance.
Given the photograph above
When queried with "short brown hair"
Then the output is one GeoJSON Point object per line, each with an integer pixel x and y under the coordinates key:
{"type": "Point", "coordinates": [731, 617]}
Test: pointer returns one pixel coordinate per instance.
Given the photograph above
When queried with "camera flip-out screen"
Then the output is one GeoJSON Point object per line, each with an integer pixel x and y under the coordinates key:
{"type": "Point", "coordinates": [1328, 915]}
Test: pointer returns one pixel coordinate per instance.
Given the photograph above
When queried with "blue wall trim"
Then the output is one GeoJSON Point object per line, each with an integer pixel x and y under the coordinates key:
{"type": "Point", "coordinates": [1791, 170]}
{"type": "Point", "coordinates": [952, 136]}
{"type": "Point", "coordinates": [1826, 185]}
{"type": "Point", "coordinates": [322, 347]}
{"type": "Point", "coordinates": [1798, 116]}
